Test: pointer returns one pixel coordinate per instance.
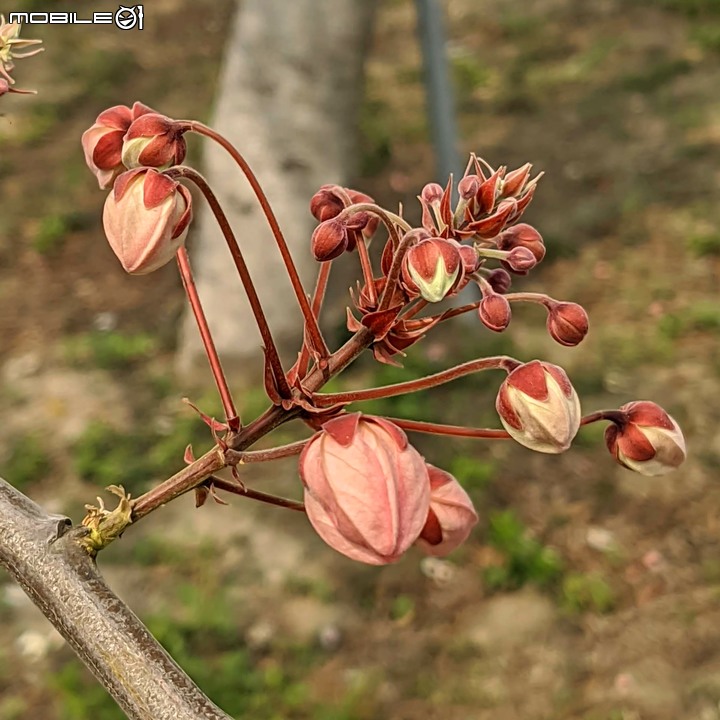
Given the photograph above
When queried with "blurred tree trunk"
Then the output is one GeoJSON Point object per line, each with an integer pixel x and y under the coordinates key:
{"type": "Point", "coordinates": [288, 99]}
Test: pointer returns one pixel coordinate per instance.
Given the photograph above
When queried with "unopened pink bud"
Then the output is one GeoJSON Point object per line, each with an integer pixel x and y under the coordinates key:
{"type": "Point", "coordinates": [649, 442]}
{"type": "Point", "coordinates": [146, 219]}
{"type": "Point", "coordinates": [468, 187]}
{"type": "Point", "coordinates": [367, 490]}
{"type": "Point", "coordinates": [567, 323]}
{"type": "Point", "coordinates": [520, 259]}
{"type": "Point", "coordinates": [153, 140]}
{"type": "Point", "coordinates": [432, 193]}
{"type": "Point", "coordinates": [494, 311]}
{"type": "Point", "coordinates": [326, 203]}
{"type": "Point", "coordinates": [329, 240]}
{"type": "Point", "coordinates": [102, 143]}
{"type": "Point", "coordinates": [451, 517]}
{"type": "Point", "coordinates": [431, 268]}
{"type": "Point", "coordinates": [539, 407]}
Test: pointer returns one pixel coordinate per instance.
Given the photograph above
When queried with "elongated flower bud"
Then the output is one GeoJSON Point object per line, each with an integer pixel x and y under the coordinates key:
{"type": "Point", "coordinates": [649, 442]}
{"type": "Point", "coordinates": [367, 490]}
{"type": "Point", "coordinates": [146, 219]}
{"type": "Point", "coordinates": [539, 407]}
{"type": "Point", "coordinates": [153, 140]}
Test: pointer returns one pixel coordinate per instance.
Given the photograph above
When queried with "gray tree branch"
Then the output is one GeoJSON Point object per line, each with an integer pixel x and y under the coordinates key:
{"type": "Point", "coordinates": [42, 553]}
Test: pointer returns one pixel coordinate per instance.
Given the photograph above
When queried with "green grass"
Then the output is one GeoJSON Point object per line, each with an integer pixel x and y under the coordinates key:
{"type": "Point", "coordinates": [27, 462]}
{"type": "Point", "coordinates": [527, 561]}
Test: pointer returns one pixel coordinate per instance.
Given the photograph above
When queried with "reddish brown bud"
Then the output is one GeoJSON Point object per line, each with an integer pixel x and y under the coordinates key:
{"type": "Point", "coordinates": [326, 203]}
{"type": "Point", "coordinates": [329, 240]}
{"type": "Point", "coordinates": [522, 235]}
{"type": "Point", "coordinates": [500, 280]}
{"type": "Point", "coordinates": [649, 441]}
{"type": "Point", "coordinates": [494, 311]}
{"type": "Point", "coordinates": [567, 323]}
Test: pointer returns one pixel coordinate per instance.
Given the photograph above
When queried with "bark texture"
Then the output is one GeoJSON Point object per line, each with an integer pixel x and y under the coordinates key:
{"type": "Point", "coordinates": [42, 553]}
{"type": "Point", "coordinates": [288, 99]}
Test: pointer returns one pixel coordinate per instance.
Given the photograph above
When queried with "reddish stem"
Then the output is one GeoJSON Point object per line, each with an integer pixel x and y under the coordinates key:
{"type": "Point", "coordinates": [242, 268]}
{"type": "Point", "coordinates": [234, 487]}
{"type": "Point", "coordinates": [366, 266]}
{"type": "Point", "coordinates": [188, 281]}
{"type": "Point", "coordinates": [455, 430]}
{"type": "Point", "coordinates": [256, 456]}
{"type": "Point", "coordinates": [313, 328]}
{"type": "Point", "coordinates": [501, 362]}
{"type": "Point", "coordinates": [614, 416]}
{"type": "Point", "coordinates": [317, 300]}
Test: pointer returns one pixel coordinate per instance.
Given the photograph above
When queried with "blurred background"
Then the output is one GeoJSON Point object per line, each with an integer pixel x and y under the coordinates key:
{"type": "Point", "coordinates": [586, 591]}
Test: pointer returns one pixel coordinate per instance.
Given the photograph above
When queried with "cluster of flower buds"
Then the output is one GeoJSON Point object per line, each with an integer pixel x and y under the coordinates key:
{"type": "Point", "coordinates": [434, 262]}
{"type": "Point", "coordinates": [10, 43]}
{"type": "Point", "coordinates": [370, 494]}
{"type": "Point", "coordinates": [147, 214]}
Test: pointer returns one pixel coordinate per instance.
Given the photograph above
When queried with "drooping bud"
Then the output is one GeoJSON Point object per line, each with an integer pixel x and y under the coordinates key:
{"type": "Point", "coordinates": [329, 240]}
{"type": "Point", "coordinates": [153, 140]}
{"type": "Point", "coordinates": [451, 517]}
{"type": "Point", "coordinates": [649, 441]}
{"type": "Point", "coordinates": [367, 490]}
{"type": "Point", "coordinates": [146, 219]}
{"type": "Point", "coordinates": [522, 235]}
{"type": "Point", "coordinates": [567, 323]}
{"type": "Point", "coordinates": [431, 268]}
{"type": "Point", "coordinates": [326, 203]}
{"type": "Point", "coordinates": [494, 311]}
{"type": "Point", "coordinates": [539, 407]}
{"type": "Point", "coordinates": [103, 142]}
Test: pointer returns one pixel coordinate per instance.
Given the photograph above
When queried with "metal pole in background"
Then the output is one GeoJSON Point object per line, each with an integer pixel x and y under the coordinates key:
{"type": "Point", "coordinates": [438, 84]}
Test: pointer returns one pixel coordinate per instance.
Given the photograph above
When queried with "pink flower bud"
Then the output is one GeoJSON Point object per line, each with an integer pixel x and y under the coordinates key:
{"type": "Point", "coordinates": [539, 407]}
{"type": "Point", "coordinates": [649, 442]}
{"type": "Point", "coordinates": [520, 260]}
{"type": "Point", "coordinates": [371, 222]}
{"type": "Point", "coordinates": [522, 235]}
{"type": "Point", "coordinates": [432, 193]}
{"type": "Point", "coordinates": [451, 517]}
{"type": "Point", "coordinates": [567, 323]}
{"type": "Point", "coordinates": [431, 268]}
{"type": "Point", "coordinates": [494, 311]}
{"type": "Point", "coordinates": [146, 219]}
{"type": "Point", "coordinates": [153, 140]}
{"type": "Point", "coordinates": [367, 490]}
{"type": "Point", "coordinates": [329, 240]}
{"type": "Point", "coordinates": [468, 187]}
{"type": "Point", "coordinates": [103, 142]}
